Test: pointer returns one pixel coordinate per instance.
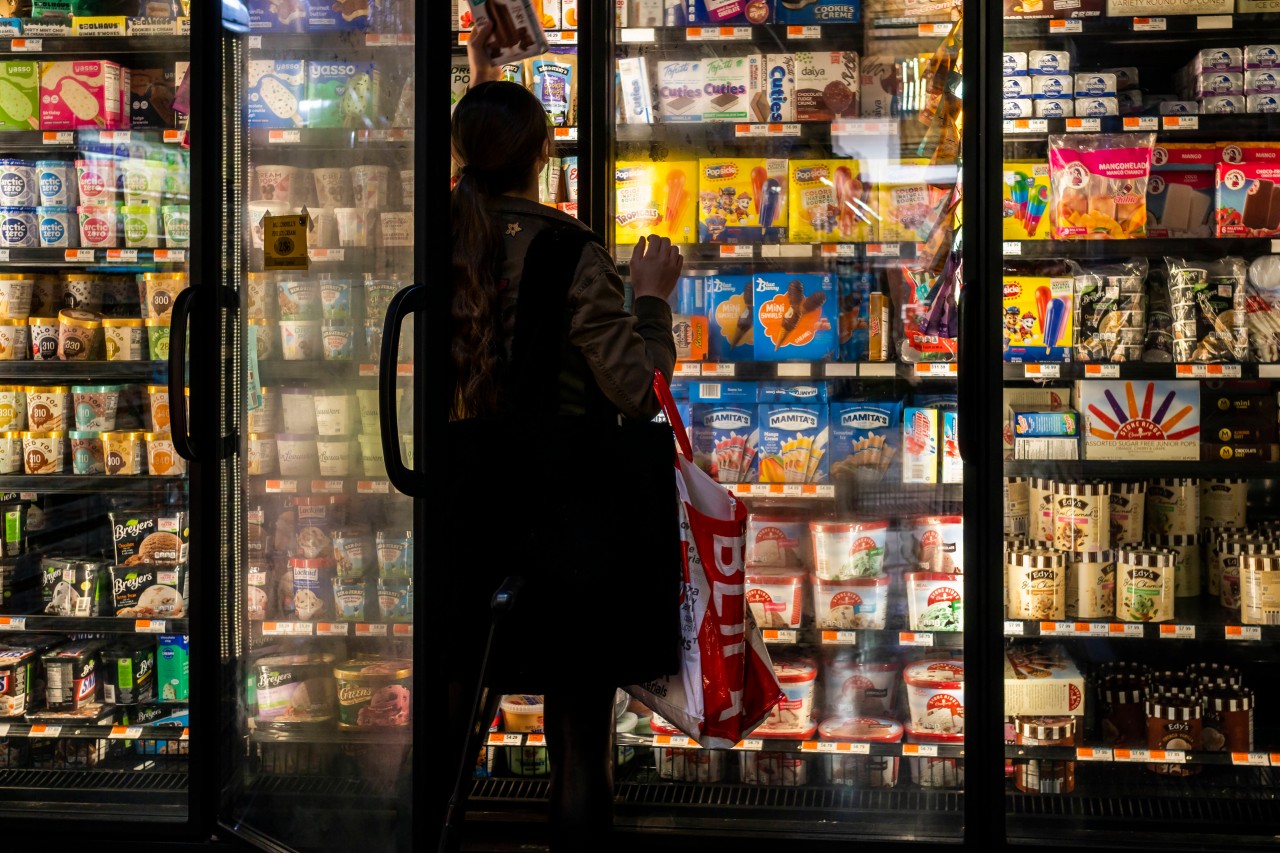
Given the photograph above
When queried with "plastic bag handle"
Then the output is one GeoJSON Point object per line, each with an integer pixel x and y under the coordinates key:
{"type": "Point", "coordinates": [663, 391]}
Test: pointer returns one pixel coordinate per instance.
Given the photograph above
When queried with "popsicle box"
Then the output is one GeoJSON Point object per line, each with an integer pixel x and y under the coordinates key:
{"type": "Point", "coordinates": [655, 198]}
{"type": "Point", "coordinates": [725, 430]}
{"type": "Point", "coordinates": [866, 439]}
{"type": "Point", "coordinates": [1037, 318]}
{"type": "Point", "coordinates": [19, 95]}
{"type": "Point", "coordinates": [1132, 419]}
{"type": "Point", "coordinates": [908, 206]}
{"type": "Point", "coordinates": [275, 90]}
{"type": "Point", "coordinates": [742, 200]}
{"type": "Point", "coordinates": [793, 443]}
{"type": "Point", "coordinates": [830, 202]}
{"type": "Point", "coordinates": [1247, 200]}
{"type": "Point", "coordinates": [1025, 200]}
{"type": "Point", "coordinates": [80, 93]}
{"type": "Point", "coordinates": [795, 316]}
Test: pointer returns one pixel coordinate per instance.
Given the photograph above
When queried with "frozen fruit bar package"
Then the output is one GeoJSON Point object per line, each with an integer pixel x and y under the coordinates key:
{"type": "Point", "coordinates": [1111, 311]}
{"type": "Point", "coordinates": [1099, 183]}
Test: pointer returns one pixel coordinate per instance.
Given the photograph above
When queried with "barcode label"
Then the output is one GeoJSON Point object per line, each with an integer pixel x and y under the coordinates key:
{"type": "Point", "coordinates": [709, 390]}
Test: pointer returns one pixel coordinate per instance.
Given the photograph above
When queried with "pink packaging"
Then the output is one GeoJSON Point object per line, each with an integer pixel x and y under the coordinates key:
{"type": "Point", "coordinates": [851, 603]}
{"type": "Point", "coordinates": [797, 676]}
{"type": "Point", "coordinates": [80, 93]}
{"type": "Point", "coordinates": [850, 687]}
{"type": "Point", "coordinates": [778, 540]}
{"type": "Point", "coordinates": [1247, 201]}
{"type": "Point", "coordinates": [776, 597]}
{"type": "Point", "coordinates": [1099, 184]}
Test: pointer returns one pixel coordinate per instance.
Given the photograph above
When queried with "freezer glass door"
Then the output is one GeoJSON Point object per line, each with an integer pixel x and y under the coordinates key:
{"type": "Point", "coordinates": [1138, 326]}
{"type": "Point", "coordinates": [321, 594]}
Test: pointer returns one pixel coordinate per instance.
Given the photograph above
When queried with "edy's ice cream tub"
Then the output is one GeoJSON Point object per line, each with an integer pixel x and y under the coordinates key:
{"type": "Point", "coordinates": [848, 549]}
{"type": "Point", "coordinates": [375, 693]}
{"type": "Point", "coordinates": [935, 695]}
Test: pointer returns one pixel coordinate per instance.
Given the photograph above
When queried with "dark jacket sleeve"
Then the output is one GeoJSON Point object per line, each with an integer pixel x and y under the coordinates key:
{"type": "Point", "coordinates": [623, 349]}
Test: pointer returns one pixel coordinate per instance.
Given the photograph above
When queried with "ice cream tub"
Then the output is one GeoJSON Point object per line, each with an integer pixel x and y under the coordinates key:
{"type": "Point", "coordinates": [935, 772]}
{"type": "Point", "coordinates": [935, 695]}
{"type": "Point", "coordinates": [312, 587]}
{"type": "Point", "coordinates": [44, 452]}
{"type": "Point", "coordinates": [124, 452]}
{"type": "Point", "coordinates": [48, 407]}
{"type": "Point", "coordinates": [794, 714]}
{"type": "Point", "coordinates": [406, 188]}
{"type": "Point", "coordinates": [296, 455]}
{"type": "Point", "coordinates": [396, 229]}
{"type": "Point", "coordinates": [56, 183]}
{"type": "Point", "coordinates": [95, 406]}
{"type": "Point", "coordinates": [334, 413]}
{"type": "Point", "coordinates": [86, 452]}
{"type": "Point", "coordinates": [336, 455]}
{"type": "Point", "coordinates": [57, 227]}
{"type": "Point", "coordinates": [141, 182]}
{"type": "Point", "coordinates": [123, 338]}
{"type": "Point", "coordinates": [395, 599]}
{"type": "Point", "coordinates": [378, 294]}
{"type": "Point", "coordinates": [861, 771]}
{"type": "Point", "coordinates": [335, 298]}
{"type": "Point", "coordinates": [333, 186]}
{"type": "Point", "coordinates": [936, 543]}
{"type": "Point", "coordinates": [262, 453]}
{"type": "Point", "coordinates": [777, 540]}
{"type": "Point", "coordinates": [160, 290]}
{"type": "Point", "coordinates": [13, 340]}
{"type": "Point", "coordinates": [295, 688]}
{"type": "Point", "coordinates": [99, 226]}
{"type": "Point", "coordinates": [157, 338]}
{"type": "Point", "coordinates": [284, 184]}
{"type": "Point", "coordinates": [43, 336]}
{"type": "Point", "coordinates": [848, 549]}
{"type": "Point", "coordinates": [676, 764]}
{"type": "Point", "coordinates": [349, 598]}
{"type": "Point", "coordinates": [395, 554]}
{"type": "Point", "coordinates": [354, 225]}
{"type": "Point", "coordinates": [78, 334]}
{"type": "Point", "coordinates": [265, 417]}
{"type": "Point", "coordinates": [850, 603]}
{"type": "Point", "coordinates": [775, 769]}
{"type": "Point", "coordinates": [775, 596]}
{"type": "Point", "coordinates": [851, 688]}
{"type": "Point", "coordinates": [521, 713]}
{"type": "Point", "coordinates": [350, 553]}
{"type": "Point", "coordinates": [337, 337]}
{"type": "Point", "coordinates": [162, 457]}
{"type": "Point", "coordinates": [299, 410]}
{"type": "Point", "coordinates": [158, 403]}
{"type": "Point", "coordinates": [11, 456]}
{"type": "Point", "coordinates": [19, 186]}
{"type": "Point", "coordinates": [369, 186]}
{"type": "Point", "coordinates": [298, 298]}
{"type": "Point", "coordinates": [141, 226]}
{"type": "Point", "coordinates": [15, 295]}
{"type": "Point", "coordinates": [371, 455]}
{"type": "Point", "coordinates": [176, 221]}
{"type": "Point", "coordinates": [300, 339]}
{"type": "Point", "coordinates": [379, 693]}
{"type": "Point", "coordinates": [81, 290]}
{"type": "Point", "coordinates": [935, 601]}
{"type": "Point", "coordinates": [13, 407]}
{"type": "Point", "coordinates": [19, 228]}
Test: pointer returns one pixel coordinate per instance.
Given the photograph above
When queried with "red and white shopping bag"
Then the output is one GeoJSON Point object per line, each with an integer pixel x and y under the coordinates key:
{"type": "Point", "coordinates": [726, 686]}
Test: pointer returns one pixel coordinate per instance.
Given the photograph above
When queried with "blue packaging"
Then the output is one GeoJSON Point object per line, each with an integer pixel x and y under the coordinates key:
{"type": "Point", "coordinates": [1046, 424]}
{"type": "Point", "coordinates": [866, 439]}
{"type": "Point", "coordinates": [691, 295]}
{"type": "Point", "coordinates": [793, 443]}
{"type": "Point", "coordinates": [796, 392]}
{"type": "Point", "coordinates": [327, 16]}
{"type": "Point", "coordinates": [730, 318]}
{"type": "Point", "coordinates": [725, 430]}
{"type": "Point", "coordinates": [266, 16]}
{"type": "Point", "coordinates": [795, 316]}
{"type": "Point", "coordinates": [854, 315]}
{"type": "Point", "coordinates": [819, 12]}
{"type": "Point", "coordinates": [274, 93]}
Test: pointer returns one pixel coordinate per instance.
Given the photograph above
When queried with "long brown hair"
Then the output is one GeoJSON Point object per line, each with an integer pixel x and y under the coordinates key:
{"type": "Point", "coordinates": [498, 132]}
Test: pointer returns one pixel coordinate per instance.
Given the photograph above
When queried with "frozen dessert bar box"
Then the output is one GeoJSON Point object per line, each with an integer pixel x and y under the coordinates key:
{"type": "Point", "coordinates": [1042, 681]}
{"type": "Point", "coordinates": [80, 93]}
{"type": "Point", "coordinates": [276, 88]}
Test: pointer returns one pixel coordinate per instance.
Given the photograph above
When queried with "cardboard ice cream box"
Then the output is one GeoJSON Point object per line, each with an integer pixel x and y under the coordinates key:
{"type": "Point", "coordinates": [518, 31]}
{"type": "Point", "coordinates": [742, 200]}
{"type": "Point", "coordinates": [819, 11]}
{"type": "Point", "coordinates": [1037, 318]}
{"type": "Point", "coordinates": [1247, 201]}
{"type": "Point", "coordinates": [332, 15]}
{"type": "Point", "coordinates": [828, 85]}
{"type": "Point", "coordinates": [275, 90]}
{"type": "Point", "coordinates": [1025, 197]}
{"type": "Point", "coordinates": [679, 85]}
{"type": "Point", "coordinates": [725, 12]}
{"type": "Point", "coordinates": [342, 94]}
{"type": "Point", "coordinates": [1042, 681]}
{"type": "Point", "coordinates": [80, 93]}
{"type": "Point", "coordinates": [272, 16]}
{"type": "Point", "coordinates": [731, 317]}
{"type": "Point", "coordinates": [19, 95]}
{"type": "Point", "coordinates": [655, 198]}
{"type": "Point", "coordinates": [1179, 203]}
{"type": "Point", "coordinates": [727, 88]}
{"type": "Point", "coordinates": [795, 316]}
{"type": "Point", "coordinates": [1135, 419]}
{"type": "Point", "coordinates": [793, 443]}
{"type": "Point", "coordinates": [830, 202]}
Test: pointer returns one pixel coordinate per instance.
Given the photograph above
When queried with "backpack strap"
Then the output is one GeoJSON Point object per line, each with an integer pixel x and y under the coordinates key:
{"type": "Point", "coordinates": [542, 322]}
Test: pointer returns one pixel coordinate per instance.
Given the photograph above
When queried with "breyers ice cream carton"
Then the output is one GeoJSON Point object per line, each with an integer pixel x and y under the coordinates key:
{"type": "Point", "coordinates": [731, 317]}
{"type": "Point", "coordinates": [831, 202]}
{"type": "Point", "coordinates": [19, 95]}
{"type": "Point", "coordinates": [1037, 318]}
{"type": "Point", "coordinates": [742, 200]}
{"type": "Point", "coordinates": [80, 93]}
{"type": "Point", "coordinates": [655, 198]}
{"type": "Point", "coordinates": [795, 316]}
{"type": "Point", "coordinates": [1247, 199]}
{"type": "Point", "coordinates": [275, 91]}
{"type": "Point", "coordinates": [342, 94]}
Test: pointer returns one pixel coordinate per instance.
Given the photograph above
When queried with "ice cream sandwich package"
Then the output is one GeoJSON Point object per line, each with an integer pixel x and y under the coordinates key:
{"type": "Point", "coordinates": [1025, 196]}
{"type": "Point", "coordinates": [1099, 185]}
{"type": "Point", "coordinates": [680, 96]}
{"type": "Point", "coordinates": [730, 317]}
{"type": "Point", "coordinates": [725, 430]}
{"type": "Point", "coordinates": [272, 16]}
{"type": "Point", "coordinates": [81, 93]}
{"type": "Point", "coordinates": [742, 200]}
{"type": "Point", "coordinates": [795, 316]}
{"type": "Point", "coordinates": [635, 101]}
{"type": "Point", "coordinates": [1208, 302]}
{"type": "Point", "coordinates": [1038, 318]}
{"type": "Point", "coordinates": [818, 11]}
{"type": "Point", "coordinates": [276, 88]}
{"type": "Point", "coordinates": [19, 95]}
{"type": "Point", "coordinates": [793, 442]}
{"type": "Point", "coordinates": [726, 88]}
{"type": "Point", "coordinates": [1111, 311]}
{"type": "Point", "coordinates": [1180, 203]}
{"type": "Point", "coordinates": [866, 439]}
{"type": "Point", "coordinates": [1247, 200]}
{"type": "Point", "coordinates": [517, 29]}
{"type": "Point", "coordinates": [342, 94]}
{"type": "Point", "coordinates": [831, 202]}
{"type": "Point", "coordinates": [827, 85]}
{"type": "Point", "coordinates": [773, 88]}
{"type": "Point", "coordinates": [655, 198]}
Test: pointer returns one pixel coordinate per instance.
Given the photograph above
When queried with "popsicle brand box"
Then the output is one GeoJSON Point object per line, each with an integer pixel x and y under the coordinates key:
{"type": "Point", "coordinates": [1037, 318]}
{"type": "Point", "coordinates": [742, 200]}
{"type": "Point", "coordinates": [795, 316]}
{"type": "Point", "coordinates": [1042, 681]}
{"type": "Point", "coordinates": [906, 202]}
{"type": "Point", "coordinates": [1140, 420]}
{"type": "Point", "coordinates": [1045, 424]}
{"type": "Point", "coordinates": [866, 438]}
{"type": "Point", "coordinates": [731, 317]}
{"type": "Point", "coordinates": [342, 94]}
{"type": "Point", "coordinates": [1247, 200]}
{"type": "Point", "coordinates": [1025, 200]}
{"type": "Point", "coordinates": [80, 93]}
{"type": "Point", "coordinates": [819, 12]}
{"type": "Point", "coordinates": [19, 95]}
{"type": "Point", "coordinates": [275, 90]}
{"type": "Point", "coordinates": [920, 445]}
{"type": "Point", "coordinates": [831, 202]}
{"type": "Point", "coordinates": [793, 443]}
{"type": "Point", "coordinates": [655, 198]}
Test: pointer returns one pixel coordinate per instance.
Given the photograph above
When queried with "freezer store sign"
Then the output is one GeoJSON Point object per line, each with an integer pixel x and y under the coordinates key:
{"type": "Point", "coordinates": [1141, 420]}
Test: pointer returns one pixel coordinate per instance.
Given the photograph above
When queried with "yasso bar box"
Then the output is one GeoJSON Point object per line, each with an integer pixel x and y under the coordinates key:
{"type": "Point", "coordinates": [1135, 419]}
{"type": "Point", "coordinates": [19, 95]}
{"type": "Point", "coordinates": [275, 91]}
{"type": "Point", "coordinates": [795, 316]}
{"type": "Point", "coordinates": [342, 94]}
{"type": "Point", "coordinates": [1042, 681]}
{"type": "Point", "coordinates": [81, 93]}
{"type": "Point", "coordinates": [327, 15]}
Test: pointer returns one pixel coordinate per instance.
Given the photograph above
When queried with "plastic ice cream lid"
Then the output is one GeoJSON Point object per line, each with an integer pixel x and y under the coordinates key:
{"type": "Point", "coordinates": [5, 321]}
{"type": "Point", "coordinates": [42, 321]}
{"type": "Point", "coordinates": [931, 520]}
{"type": "Point", "coordinates": [154, 323]}
{"type": "Point", "coordinates": [791, 670]}
{"type": "Point", "coordinates": [1168, 707]}
{"type": "Point", "coordinates": [847, 526]}
{"type": "Point", "coordinates": [932, 576]}
{"type": "Point", "coordinates": [303, 563]}
{"type": "Point", "coordinates": [803, 734]}
{"type": "Point", "coordinates": [867, 729]}
{"type": "Point", "coordinates": [121, 322]}
{"type": "Point", "coordinates": [1215, 673]}
{"type": "Point", "coordinates": [96, 389]}
{"type": "Point", "coordinates": [375, 669]}
{"type": "Point", "coordinates": [1225, 697]}
{"type": "Point", "coordinates": [939, 674]}
{"type": "Point", "coordinates": [883, 580]}
{"type": "Point", "coordinates": [290, 436]}
{"type": "Point", "coordinates": [914, 736]}
{"type": "Point", "coordinates": [852, 668]}
{"type": "Point", "coordinates": [296, 659]}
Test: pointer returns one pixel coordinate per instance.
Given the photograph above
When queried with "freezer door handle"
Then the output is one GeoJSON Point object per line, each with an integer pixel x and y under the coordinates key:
{"type": "Point", "coordinates": [411, 300]}
{"type": "Point", "coordinates": [969, 372]}
{"type": "Point", "coordinates": [183, 442]}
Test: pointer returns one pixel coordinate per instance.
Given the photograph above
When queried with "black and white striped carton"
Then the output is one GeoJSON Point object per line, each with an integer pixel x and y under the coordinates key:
{"type": "Point", "coordinates": [1226, 547]}
{"type": "Point", "coordinates": [1017, 506]}
{"type": "Point", "coordinates": [1081, 516]}
{"type": "Point", "coordinates": [1145, 584]}
{"type": "Point", "coordinates": [1224, 502]}
{"type": "Point", "coordinates": [1040, 504]}
{"type": "Point", "coordinates": [1172, 706]}
{"type": "Point", "coordinates": [1046, 728]}
{"type": "Point", "coordinates": [1233, 557]}
{"type": "Point", "coordinates": [1128, 502]}
{"type": "Point", "coordinates": [1260, 589]}
{"type": "Point", "coordinates": [1037, 584]}
{"type": "Point", "coordinates": [1215, 673]}
{"type": "Point", "coordinates": [1186, 574]}
{"type": "Point", "coordinates": [1091, 582]}
{"type": "Point", "coordinates": [1173, 505]}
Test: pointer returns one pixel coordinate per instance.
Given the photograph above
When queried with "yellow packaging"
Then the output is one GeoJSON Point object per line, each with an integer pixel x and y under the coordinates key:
{"type": "Point", "coordinates": [831, 202]}
{"type": "Point", "coordinates": [655, 198]}
{"type": "Point", "coordinates": [1025, 194]}
{"type": "Point", "coordinates": [742, 200]}
{"type": "Point", "coordinates": [1037, 318]}
{"type": "Point", "coordinates": [908, 207]}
